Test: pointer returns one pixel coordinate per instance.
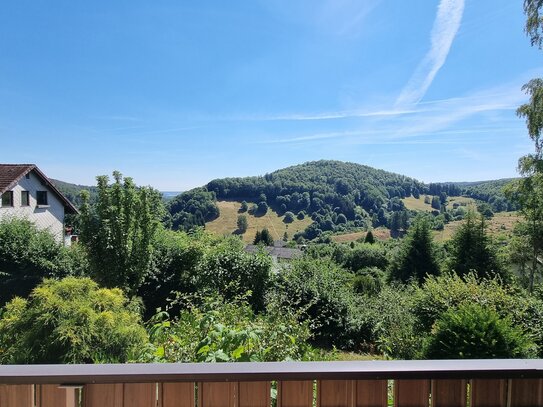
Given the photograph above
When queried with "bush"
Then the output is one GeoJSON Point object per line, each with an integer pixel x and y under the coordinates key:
{"type": "Point", "coordinates": [324, 290]}
{"type": "Point", "coordinates": [176, 256]}
{"type": "Point", "coordinates": [27, 255]}
{"type": "Point", "coordinates": [474, 332]}
{"type": "Point", "coordinates": [392, 322]}
{"type": "Point", "coordinates": [289, 217]}
{"type": "Point", "coordinates": [230, 271]}
{"type": "Point", "coordinates": [262, 208]}
{"type": "Point", "coordinates": [365, 255]}
{"type": "Point", "coordinates": [221, 331]}
{"type": "Point", "coordinates": [448, 292]}
{"type": "Point", "coordinates": [71, 321]}
{"type": "Point", "coordinates": [369, 281]}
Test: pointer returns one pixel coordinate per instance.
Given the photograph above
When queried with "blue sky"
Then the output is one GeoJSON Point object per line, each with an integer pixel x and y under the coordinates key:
{"type": "Point", "coordinates": [176, 93]}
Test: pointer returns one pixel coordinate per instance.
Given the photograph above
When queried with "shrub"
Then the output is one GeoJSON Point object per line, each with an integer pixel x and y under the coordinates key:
{"type": "Point", "coordinates": [448, 292]}
{"type": "Point", "coordinates": [221, 331]}
{"type": "Point", "coordinates": [369, 281]}
{"type": "Point", "coordinates": [230, 271]}
{"type": "Point", "coordinates": [289, 217]}
{"type": "Point", "coordinates": [392, 322]}
{"type": "Point", "coordinates": [27, 255]}
{"type": "Point", "coordinates": [323, 289]}
{"type": "Point", "coordinates": [474, 332]}
{"type": "Point", "coordinates": [174, 261]}
{"type": "Point", "coordinates": [71, 321]}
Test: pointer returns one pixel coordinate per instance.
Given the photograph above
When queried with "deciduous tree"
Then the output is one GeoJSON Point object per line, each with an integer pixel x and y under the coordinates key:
{"type": "Point", "coordinates": [242, 223]}
{"type": "Point", "coordinates": [118, 230]}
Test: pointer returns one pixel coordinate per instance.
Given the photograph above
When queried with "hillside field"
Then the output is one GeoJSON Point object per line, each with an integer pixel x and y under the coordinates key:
{"type": "Point", "coordinates": [499, 223]}
{"type": "Point", "coordinates": [381, 233]}
{"type": "Point", "coordinates": [226, 223]}
{"type": "Point", "coordinates": [419, 205]}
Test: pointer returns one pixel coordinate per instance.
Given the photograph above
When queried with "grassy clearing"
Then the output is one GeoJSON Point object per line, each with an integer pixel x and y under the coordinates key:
{"type": "Point", "coordinates": [501, 222]}
{"type": "Point", "coordinates": [226, 223]}
{"type": "Point", "coordinates": [465, 201]}
{"type": "Point", "coordinates": [380, 233]}
{"type": "Point", "coordinates": [415, 204]}
{"type": "Point", "coordinates": [419, 205]}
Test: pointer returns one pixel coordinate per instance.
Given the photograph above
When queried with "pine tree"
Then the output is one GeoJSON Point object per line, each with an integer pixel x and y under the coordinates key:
{"type": "Point", "coordinates": [264, 236]}
{"type": "Point", "coordinates": [417, 257]}
{"type": "Point", "coordinates": [369, 238]}
{"type": "Point", "coordinates": [471, 249]}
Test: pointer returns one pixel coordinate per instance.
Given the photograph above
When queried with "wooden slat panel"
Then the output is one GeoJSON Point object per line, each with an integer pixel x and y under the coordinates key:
{"type": "Point", "coordinates": [254, 394]}
{"type": "Point", "coordinates": [217, 394]}
{"type": "Point", "coordinates": [139, 395]}
{"type": "Point", "coordinates": [371, 393]}
{"type": "Point", "coordinates": [526, 392]}
{"type": "Point", "coordinates": [488, 393]}
{"type": "Point", "coordinates": [295, 394]}
{"type": "Point", "coordinates": [103, 395]}
{"type": "Point", "coordinates": [50, 395]}
{"type": "Point", "coordinates": [17, 395]}
{"type": "Point", "coordinates": [448, 393]}
{"type": "Point", "coordinates": [335, 393]}
{"type": "Point", "coordinates": [411, 393]}
{"type": "Point", "coordinates": [176, 395]}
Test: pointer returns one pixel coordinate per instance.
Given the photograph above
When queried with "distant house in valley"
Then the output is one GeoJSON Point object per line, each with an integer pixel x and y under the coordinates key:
{"type": "Point", "coordinates": [277, 252]}
{"type": "Point", "coordinates": [27, 193]}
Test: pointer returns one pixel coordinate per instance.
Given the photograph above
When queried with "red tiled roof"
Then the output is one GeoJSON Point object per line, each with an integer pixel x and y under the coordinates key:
{"type": "Point", "coordinates": [10, 174]}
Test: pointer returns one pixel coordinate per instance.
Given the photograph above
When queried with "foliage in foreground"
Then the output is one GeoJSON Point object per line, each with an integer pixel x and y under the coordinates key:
{"type": "Point", "coordinates": [118, 231]}
{"type": "Point", "coordinates": [475, 332]}
{"type": "Point", "coordinates": [324, 291]}
{"type": "Point", "coordinates": [27, 255]}
{"type": "Point", "coordinates": [71, 321]}
{"type": "Point", "coordinates": [229, 331]}
{"type": "Point", "coordinates": [450, 292]}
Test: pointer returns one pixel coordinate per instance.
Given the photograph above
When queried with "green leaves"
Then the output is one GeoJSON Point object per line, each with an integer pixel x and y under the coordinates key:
{"type": "Point", "coordinates": [70, 321]}
{"type": "Point", "coordinates": [220, 331]}
{"type": "Point", "coordinates": [118, 230]}
{"type": "Point", "coordinates": [475, 332]}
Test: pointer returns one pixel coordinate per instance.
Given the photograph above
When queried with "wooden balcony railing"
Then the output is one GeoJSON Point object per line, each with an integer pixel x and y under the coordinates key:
{"type": "Point", "coordinates": [474, 383]}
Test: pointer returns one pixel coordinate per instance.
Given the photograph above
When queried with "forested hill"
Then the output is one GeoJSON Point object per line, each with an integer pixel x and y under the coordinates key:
{"type": "Point", "coordinates": [73, 191]}
{"type": "Point", "coordinates": [313, 185]}
{"type": "Point", "coordinates": [490, 192]}
{"type": "Point", "coordinates": [335, 194]}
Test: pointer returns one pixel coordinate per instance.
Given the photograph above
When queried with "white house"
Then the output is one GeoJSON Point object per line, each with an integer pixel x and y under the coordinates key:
{"type": "Point", "coordinates": [27, 193]}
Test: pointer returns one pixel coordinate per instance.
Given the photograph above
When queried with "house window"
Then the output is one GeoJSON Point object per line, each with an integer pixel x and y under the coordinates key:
{"type": "Point", "coordinates": [24, 198]}
{"type": "Point", "coordinates": [27, 176]}
{"type": "Point", "coordinates": [41, 198]}
{"type": "Point", "coordinates": [7, 198]}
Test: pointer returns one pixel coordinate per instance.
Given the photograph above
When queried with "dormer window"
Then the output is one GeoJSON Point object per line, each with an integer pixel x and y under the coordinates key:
{"type": "Point", "coordinates": [41, 198]}
{"type": "Point", "coordinates": [7, 199]}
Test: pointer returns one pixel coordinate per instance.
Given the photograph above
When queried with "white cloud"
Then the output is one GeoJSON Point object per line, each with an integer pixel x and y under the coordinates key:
{"type": "Point", "coordinates": [433, 119]}
{"type": "Point", "coordinates": [446, 25]}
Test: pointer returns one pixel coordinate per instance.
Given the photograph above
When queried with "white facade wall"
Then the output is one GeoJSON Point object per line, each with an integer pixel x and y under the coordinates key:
{"type": "Point", "coordinates": [50, 217]}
